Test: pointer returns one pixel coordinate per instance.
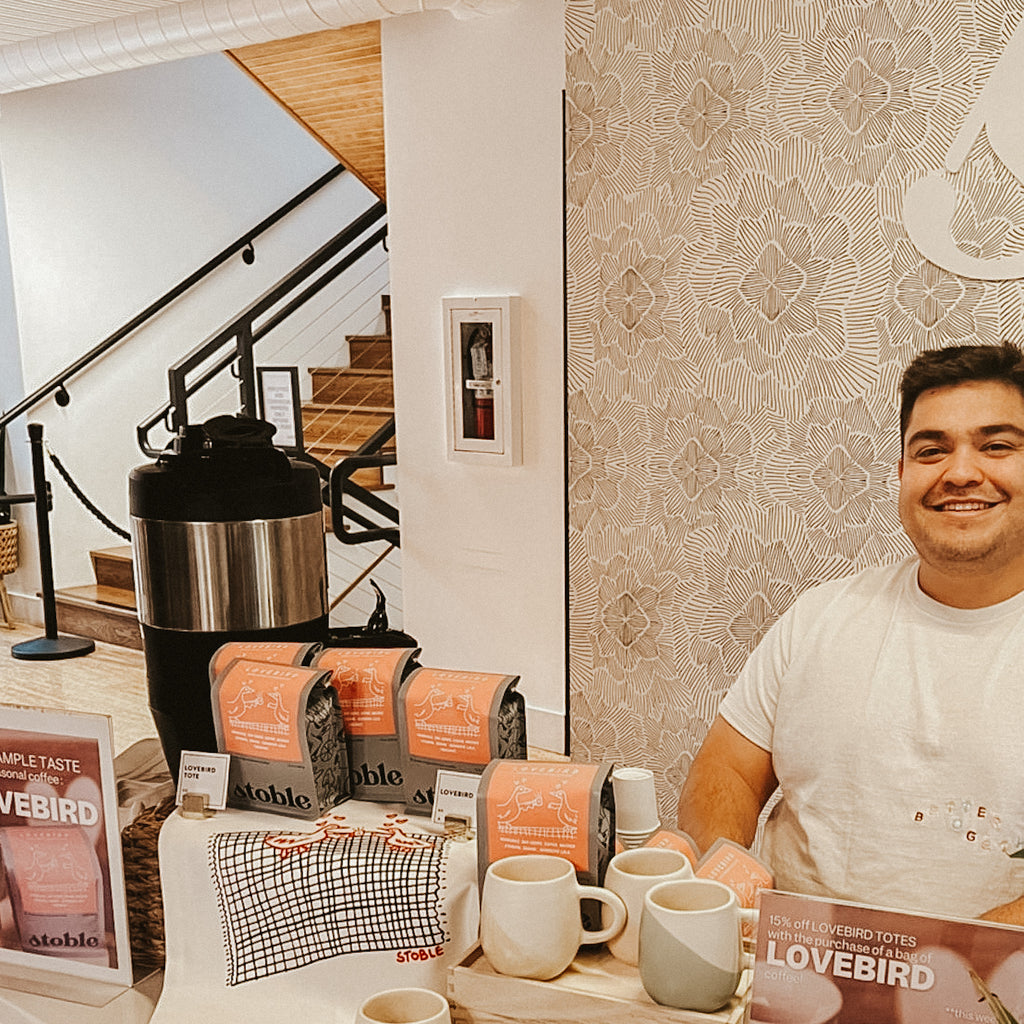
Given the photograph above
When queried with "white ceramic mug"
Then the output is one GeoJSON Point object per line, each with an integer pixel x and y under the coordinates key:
{"type": "Point", "coordinates": [530, 925]}
{"type": "Point", "coordinates": [630, 875]}
{"type": "Point", "coordinates": [691, 943]}
{"type": "Point", "coordinates": [405, 1006]}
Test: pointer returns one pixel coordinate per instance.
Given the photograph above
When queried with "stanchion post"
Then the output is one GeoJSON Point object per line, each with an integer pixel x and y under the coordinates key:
{"type": "Point", "coordinates": [52, 646]}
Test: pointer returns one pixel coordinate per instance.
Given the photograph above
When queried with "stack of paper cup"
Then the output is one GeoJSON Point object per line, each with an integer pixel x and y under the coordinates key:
{"type": "Point", "coordinates": [636, 806]}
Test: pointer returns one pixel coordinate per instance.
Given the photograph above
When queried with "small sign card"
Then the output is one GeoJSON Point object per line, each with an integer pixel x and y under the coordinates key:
{"type": "Point", "coordinates": [820, 960]}
{"type": "Point", "coordinates": [206, 774]}
{"type": "Point", "coordinates": [455, 797]}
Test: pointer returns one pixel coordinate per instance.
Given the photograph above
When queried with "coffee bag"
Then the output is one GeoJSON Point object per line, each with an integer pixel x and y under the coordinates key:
{"type": "Point", "coordinates": [282, 726]}
{"type": "Point", "coordinates": [367, 680]}
{"type": "Point", "coordinates": [560, 808]}
{"type": "Point", "coordinates": [459, 721]}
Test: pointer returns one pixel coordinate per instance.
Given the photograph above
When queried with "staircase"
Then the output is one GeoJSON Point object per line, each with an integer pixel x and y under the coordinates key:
{"type": "Point", "coordinates": [331, 82]}
{"type": "Point", "coordinates": [349, 404]}
{"type": "Point", "coordinates": [104, 610]}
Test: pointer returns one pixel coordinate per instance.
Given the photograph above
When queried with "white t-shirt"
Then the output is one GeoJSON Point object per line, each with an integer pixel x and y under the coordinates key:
{"type": "Point", "coordinates": [896, 726]}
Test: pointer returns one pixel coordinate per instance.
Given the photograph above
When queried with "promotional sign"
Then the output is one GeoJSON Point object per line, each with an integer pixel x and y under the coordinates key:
{"type": "Point", "coordinates": [62, 909]}
{"type": "Point", "coordinates": [205, 775]}
{"type": "Point", "coordinates": [822, 961]}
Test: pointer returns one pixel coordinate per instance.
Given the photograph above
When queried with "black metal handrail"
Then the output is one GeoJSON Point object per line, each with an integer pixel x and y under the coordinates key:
{"type": "Point", "coordinates": [232, 347]}
{"type": "Point", "coordinates": [240, 335]}
{"type": "Point", "coordinates": [238, 338]}
{"type": "Point", "coordinates": [369, 454]}
{"type": "Point", "coordinates": [243, 244]}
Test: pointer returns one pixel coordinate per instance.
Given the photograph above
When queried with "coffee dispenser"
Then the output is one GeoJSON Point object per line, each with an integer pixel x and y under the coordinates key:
{"type": "Point", "coordinates": [228, 544]}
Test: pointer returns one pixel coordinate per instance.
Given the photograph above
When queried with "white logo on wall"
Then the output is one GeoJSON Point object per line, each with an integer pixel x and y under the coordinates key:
{"type": "Point", "coordinates": [930, 202]}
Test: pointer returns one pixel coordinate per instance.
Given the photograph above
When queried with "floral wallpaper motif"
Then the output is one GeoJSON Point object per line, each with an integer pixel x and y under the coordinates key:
{"type": "Point", "coordinates": [742, 298]}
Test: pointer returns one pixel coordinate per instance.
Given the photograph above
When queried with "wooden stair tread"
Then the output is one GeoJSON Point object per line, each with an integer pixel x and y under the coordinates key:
{"type": "Point", "coordinates": [89, 612]}
{"type": "Point", "coordinates": [114, 598]}
{"type": "Point", "coordinates": [123, 552]}
{"type": "Point", "coordinates": [346, 428]}
{"type": "Point", "coordinates": [376, 392]}
{"type": "Point", "coordinates": [368, 339]}
{"type": "Point", "coordinates": [343, 439]}
{"type": "Point", "coordinates": [329, 425]}
{"type": "Point", "coordinates": [362, 371]}
{"type": "Point", "coordinates": [331, 453]}
{"type": "Point", "coordinates": [348, 408]}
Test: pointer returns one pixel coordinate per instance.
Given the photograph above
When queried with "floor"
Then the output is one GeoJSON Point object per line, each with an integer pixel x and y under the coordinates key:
{"type": "Point", "coordinates": [110, 681]}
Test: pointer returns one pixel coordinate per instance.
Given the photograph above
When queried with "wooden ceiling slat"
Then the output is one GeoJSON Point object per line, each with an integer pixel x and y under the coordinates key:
{"type": "Point", "coordinates": [330, 82]}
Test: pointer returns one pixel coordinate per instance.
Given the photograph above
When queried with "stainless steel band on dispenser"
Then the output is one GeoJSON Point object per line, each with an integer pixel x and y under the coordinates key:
{"type": "Point", "coordinates": [253, 574]}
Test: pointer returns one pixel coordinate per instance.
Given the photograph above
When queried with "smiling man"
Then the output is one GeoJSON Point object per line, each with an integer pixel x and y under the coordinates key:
{"type": "Point", "coordinates": [888, 708]}
{"type": "Point", "coordinates": [962, 491]}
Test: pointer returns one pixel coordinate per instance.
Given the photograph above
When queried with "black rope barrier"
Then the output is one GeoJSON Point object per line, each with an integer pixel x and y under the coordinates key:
{"type": "Point", "coordinates": [81, 496]}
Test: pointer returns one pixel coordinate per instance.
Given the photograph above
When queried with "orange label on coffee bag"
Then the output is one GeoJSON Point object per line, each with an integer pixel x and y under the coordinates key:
{"type": "Point", "coordinates": [275, 652]}
{"type": "Point", "coordinates": [665, 840]}
{"type": "Point", "coordinates": [448, 714]}
{"type": "Point", "coordinates": [535, 807]}
{"type": "Point", "coordinates": [364, 678]}
{"type": "Point", "coordinates": [736, 867]}
{"type": "Point", "coordinates": [260, 709]}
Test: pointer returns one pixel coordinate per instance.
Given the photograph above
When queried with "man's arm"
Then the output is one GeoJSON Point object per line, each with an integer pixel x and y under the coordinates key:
{"type": "Point", "coordinates": [730, 781]}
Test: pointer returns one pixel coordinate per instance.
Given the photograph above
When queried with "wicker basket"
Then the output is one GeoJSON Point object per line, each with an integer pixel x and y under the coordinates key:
{"type": "Point", "coordinates": [139, 840]}
{"type": "Point", "coordinates": [8, 548]}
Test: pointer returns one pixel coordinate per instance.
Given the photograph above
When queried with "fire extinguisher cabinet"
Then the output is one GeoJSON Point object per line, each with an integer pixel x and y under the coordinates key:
{"type": "Point", "coordinates": [227, 544]}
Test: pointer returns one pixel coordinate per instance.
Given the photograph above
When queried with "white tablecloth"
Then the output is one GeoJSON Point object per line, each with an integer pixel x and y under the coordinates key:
{"type": "Point", "coordinates": [203, 891]}
{"type": "Point", "coordinates": [132, 1006]}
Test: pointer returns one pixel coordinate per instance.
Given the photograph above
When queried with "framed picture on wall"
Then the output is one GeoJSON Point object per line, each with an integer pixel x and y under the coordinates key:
{"type": "Point", "coordinates": [279, 404]}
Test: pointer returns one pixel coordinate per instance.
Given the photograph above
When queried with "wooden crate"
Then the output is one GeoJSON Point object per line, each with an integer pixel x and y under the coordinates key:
{"type": "Point", "coordinates": [595, 988]}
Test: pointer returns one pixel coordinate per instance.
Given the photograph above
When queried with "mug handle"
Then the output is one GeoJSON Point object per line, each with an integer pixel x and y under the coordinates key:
{"type": "Point", "coordinates": [614, 904]}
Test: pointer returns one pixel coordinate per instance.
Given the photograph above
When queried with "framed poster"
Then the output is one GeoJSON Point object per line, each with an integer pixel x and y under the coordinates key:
{"type": "Point", "coordinates": [63, 913]}
{"type": "Point", "coordinates": [279, 404]}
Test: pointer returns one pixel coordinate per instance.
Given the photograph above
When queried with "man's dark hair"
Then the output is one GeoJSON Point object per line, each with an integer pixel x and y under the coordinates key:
{"type": "Point", "coordinates": [959, 364]}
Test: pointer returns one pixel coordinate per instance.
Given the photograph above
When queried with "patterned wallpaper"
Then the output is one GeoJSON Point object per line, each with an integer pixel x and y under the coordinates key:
{"type": "Point", "coordinates": [743, 296]}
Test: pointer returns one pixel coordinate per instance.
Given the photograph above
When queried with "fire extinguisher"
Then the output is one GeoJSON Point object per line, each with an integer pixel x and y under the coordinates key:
{"type": "Point", "coordinates": [481, 361]}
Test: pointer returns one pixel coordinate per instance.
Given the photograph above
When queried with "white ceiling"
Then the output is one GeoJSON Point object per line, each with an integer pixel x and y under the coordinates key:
{"type": "Point", "coordinates": [25, 19]}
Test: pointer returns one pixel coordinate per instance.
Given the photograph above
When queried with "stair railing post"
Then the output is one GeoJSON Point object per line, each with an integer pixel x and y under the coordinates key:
{"type": "Point", "coordinates": [246, 371]}
{"type": "Point", "coordinates": [51, 646]}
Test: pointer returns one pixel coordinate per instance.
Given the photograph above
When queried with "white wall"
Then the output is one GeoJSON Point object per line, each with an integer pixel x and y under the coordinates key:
{"type": "Point", "coordinates": [11, 389]}
{"type": "Point", "coordinates": [117, 187]}
{"type": "Point", "coordinates": [474, 167]}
